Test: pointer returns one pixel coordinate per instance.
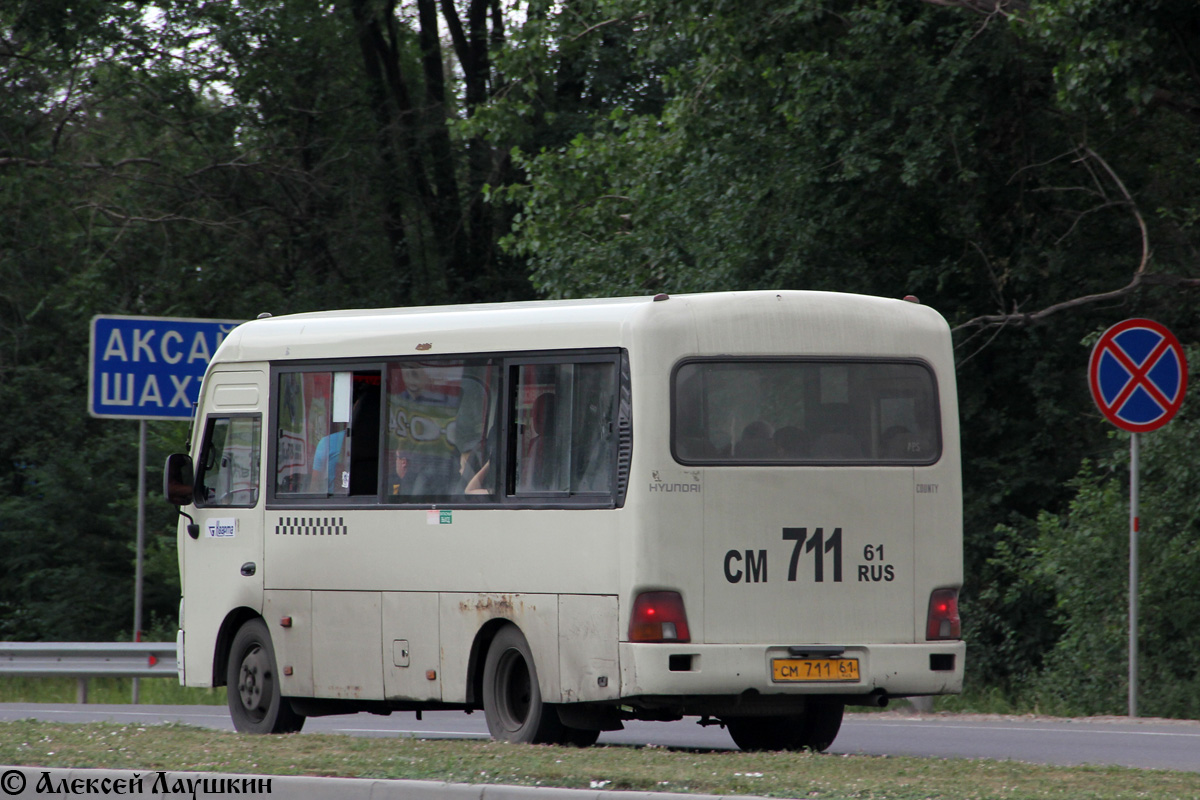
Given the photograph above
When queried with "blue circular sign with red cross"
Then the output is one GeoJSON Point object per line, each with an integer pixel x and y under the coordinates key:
{"type": "Point", "coordinates": [1138, 375]}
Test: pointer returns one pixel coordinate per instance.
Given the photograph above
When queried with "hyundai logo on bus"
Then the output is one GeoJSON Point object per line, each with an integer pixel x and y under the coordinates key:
{"type": "Point", "coordinates": [150, 367]}
{"type": "Point", "coordinates": [1138, 375]}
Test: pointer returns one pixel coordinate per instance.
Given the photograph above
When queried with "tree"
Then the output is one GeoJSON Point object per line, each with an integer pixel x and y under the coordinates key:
{"type": "Point", "coordinates": [218, 160]}
{"type": "Point", "coordinates": [887, 148]}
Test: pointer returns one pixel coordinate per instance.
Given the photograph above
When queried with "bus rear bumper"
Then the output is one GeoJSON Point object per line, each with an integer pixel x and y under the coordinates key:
{"type": "Point", "coordinates": [896, 670]}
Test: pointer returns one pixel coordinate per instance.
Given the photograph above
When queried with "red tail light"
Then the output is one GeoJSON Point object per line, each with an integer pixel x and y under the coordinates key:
{"type": "Point", "coordinates": [658, 617]}
{"type": "Point", "coordinates": [943, 621]}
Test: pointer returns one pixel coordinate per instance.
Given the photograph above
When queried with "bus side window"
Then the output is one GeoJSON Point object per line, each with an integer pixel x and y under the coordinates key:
{"type": "Point", "coordinates": [563, 428]}
{"type": "Point", "coordinates": [439, 433]}
{"type": "Point", "coordinates": [595, 429]}
{"type": "Point", "coordinates": [327, 434]}
{"type": "Point", "coordinates": [229, 463]}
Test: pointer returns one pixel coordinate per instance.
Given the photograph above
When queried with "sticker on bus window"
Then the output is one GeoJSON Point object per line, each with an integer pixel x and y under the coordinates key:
{"type": "Point", "coordinates": [439, 517]}
{"type": "Point", "coordinates": [220, 528]}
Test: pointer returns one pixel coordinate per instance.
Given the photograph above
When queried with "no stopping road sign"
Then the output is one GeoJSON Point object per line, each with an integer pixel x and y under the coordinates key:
{"type": "Point", "coordinates": [1138, 375]}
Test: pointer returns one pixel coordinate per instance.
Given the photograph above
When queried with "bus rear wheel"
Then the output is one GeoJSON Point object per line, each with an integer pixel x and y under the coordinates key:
{"type": "Point", "coordinates": [512, 701]}
{"type": "Point", "coordinates": [256, 703]}
{"type": "Point", "coordinates": [815, 729]}
{"type": "Point", "coordinates": [578, 737]}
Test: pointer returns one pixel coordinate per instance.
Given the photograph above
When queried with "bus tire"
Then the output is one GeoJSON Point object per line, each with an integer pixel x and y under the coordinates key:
{"type": "Point", "coordinates": [822, 721]}
{"type": "Point", "coordinates": [256, 703]}
{"type": "Point", "coordinates": [752, 734]}
{"type": "Point", "coordinates": [512, 701]}
{"type": "Point", "coordinates": [815, 729]}
{"type": "Point", "coordinates": [578, 737]}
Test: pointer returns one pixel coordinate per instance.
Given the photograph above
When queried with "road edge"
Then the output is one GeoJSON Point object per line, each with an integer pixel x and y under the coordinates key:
{"type": "Point", "coordinates": [23, 782]}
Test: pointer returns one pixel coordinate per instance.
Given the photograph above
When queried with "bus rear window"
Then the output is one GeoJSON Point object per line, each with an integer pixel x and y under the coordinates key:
{"type": "Point", "coordinates": [786, 411]}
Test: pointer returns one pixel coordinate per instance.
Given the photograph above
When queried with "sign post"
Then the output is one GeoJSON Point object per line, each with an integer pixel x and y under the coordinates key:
{"type": "Point", "coordinates": [148, 368]}
{"type": "Point", "coordinates": [1138, 377]}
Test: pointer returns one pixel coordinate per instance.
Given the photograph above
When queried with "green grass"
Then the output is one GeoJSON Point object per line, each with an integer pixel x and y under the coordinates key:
{"type": "Point", "coordinates": [152, 691]}
{"type": "Point", "coordinates": [791, 775]}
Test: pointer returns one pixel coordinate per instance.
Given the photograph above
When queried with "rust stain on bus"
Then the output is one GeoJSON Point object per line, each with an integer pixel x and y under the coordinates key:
{"type": "Point", "coordinates": [495, 606]}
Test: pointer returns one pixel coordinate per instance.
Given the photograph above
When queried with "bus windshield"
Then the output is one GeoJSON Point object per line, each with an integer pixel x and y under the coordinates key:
{"type": "Point", "coordinates": [746, 411]}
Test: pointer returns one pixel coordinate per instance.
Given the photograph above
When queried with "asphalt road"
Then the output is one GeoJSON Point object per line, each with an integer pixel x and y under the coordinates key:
{"type": "Point", "coordinates": [1148, 744]}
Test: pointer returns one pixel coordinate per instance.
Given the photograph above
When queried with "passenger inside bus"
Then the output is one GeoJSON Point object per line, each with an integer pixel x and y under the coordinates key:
{"type": "Point", "coordinates": [346, 461]}
{"type": "Point", "coordinates": [424, 414]}
{"type": "Point", "coordinates": [792, 442]}
{"type": "Point", "coordinates": [757, 442]}
{"type": "Point", "coordinates": [537, 451]}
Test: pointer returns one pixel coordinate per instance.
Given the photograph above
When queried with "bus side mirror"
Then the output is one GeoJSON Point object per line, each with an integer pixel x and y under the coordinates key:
{"type": "Point", "coordinates": [178, 479]}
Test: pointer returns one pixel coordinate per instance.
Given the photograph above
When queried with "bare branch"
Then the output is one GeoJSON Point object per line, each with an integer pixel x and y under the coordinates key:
{"type": "Point", "coordinates": [46, 163]}
{"type": "Point", "coordinates": [614, 21]}
{"type": "Point", "coordinates": [988, 7]}
{"type": "Point", "coordinates": [117, 216]}
{"type": "Point", "coordinates": [1140, 276]}
{"type": "Point", "coordinates": [1132, 207]}
{"type": "Point", "coordinates": [1139, 280]}
{"type": "Point", "coordinates": [984, 346]}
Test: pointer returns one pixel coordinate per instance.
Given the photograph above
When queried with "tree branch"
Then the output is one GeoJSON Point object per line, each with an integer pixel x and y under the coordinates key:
{"type": "Point", "coordinates": [1140, 276]}
{"type": "Point", "coordinates": [613, 21]}
{"type": "Point", "coordinates": [48, 163]}
{"type": "Point", "coordinates": [117, 216]}
{"type": "Point", "coordinates": [986, 7]}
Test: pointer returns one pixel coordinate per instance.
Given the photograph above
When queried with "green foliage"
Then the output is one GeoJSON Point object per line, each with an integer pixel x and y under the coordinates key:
{"type": "Point", "coordinates": [211, 160]}
{"type": "Point", "coordinates": [1009, 615]}
{"type": "Point", "coordinates": [1084, 555]}
{"type": "Point", "coordinates": [1118, 58]}
{"type": "Point", "coordinates": [986, 165]}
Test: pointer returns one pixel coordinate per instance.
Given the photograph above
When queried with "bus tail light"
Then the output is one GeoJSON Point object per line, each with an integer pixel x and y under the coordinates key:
{"type": "Point", "coordinates": [658, 617]}
{"type": "Point", "coordinates": [943, 621]}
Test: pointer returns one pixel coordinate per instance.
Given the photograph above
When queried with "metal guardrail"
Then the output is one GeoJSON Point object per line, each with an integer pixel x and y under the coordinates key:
{"type": "Point", "coordinates": [84, 660]}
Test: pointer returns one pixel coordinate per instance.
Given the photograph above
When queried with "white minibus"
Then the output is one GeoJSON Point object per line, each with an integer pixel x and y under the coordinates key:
{"type": "Point", "coordinates": [743, 507]}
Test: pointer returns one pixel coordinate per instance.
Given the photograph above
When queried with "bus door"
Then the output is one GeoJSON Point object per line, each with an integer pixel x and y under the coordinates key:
{"type": "Point", "coordinates": [221, 557]}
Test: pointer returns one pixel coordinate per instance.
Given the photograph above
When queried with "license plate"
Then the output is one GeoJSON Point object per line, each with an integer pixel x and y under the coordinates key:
{"type": "Point", "coordinates": [784, 670]}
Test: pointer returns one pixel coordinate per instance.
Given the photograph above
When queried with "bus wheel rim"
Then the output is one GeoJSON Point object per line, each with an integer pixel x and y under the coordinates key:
{"type": "Point", "coordinates": [514, 685]}
{"type": "Point", "coordinates": [254, 681]}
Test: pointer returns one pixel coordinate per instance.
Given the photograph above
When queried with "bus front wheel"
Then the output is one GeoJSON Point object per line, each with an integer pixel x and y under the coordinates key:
{"type": "Point", "coordinates": [512, 701]}
{"type": "Point", "coordinates": [815, 729]}
{"type": "Point", "coordinates": [256, 703]}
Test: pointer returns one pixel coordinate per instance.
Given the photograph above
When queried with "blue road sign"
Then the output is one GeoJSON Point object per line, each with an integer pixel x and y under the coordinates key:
{"type": "Point", "coordinates": [150, 367]}
{"type": "Point", "coordinates": [1138, 375]}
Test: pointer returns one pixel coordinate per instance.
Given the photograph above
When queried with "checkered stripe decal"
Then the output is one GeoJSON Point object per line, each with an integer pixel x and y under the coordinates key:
{"type": "Point", "coordinates": [311, 526]}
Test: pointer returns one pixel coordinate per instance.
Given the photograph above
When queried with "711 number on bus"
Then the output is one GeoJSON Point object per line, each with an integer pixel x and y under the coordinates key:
{"type": "Point", "coordinates": [750, 566]}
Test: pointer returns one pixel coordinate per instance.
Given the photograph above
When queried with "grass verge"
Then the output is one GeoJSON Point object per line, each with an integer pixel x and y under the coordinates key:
{"type": "Point", "coordinates": [790, 775]}
{"type": "Point", "coordinates": [152, 691]}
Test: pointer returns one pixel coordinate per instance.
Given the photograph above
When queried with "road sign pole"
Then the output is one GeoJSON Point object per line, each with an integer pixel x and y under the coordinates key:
{"type": "Point", "coordinates": [1133, 572]}
{"type": "Point", "coordinates": [1138, 377]}
{"type": "Point", "coordinates": [138, 578]}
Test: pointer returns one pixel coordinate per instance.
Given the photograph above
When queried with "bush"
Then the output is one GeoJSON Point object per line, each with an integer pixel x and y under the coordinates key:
{"type": "Point", "coordinates": [1084, 555]}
